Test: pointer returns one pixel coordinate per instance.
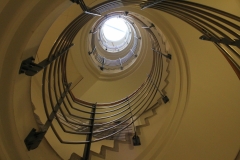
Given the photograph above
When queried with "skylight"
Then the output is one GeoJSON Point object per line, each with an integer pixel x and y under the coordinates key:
{"type": "Point", "coordinates": [115, 29]}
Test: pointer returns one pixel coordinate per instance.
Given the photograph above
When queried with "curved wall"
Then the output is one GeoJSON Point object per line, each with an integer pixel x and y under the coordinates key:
{"type": "Point", "coordinates": [21, 33]}
{"type": "Point", "coordinates": [203, 117]}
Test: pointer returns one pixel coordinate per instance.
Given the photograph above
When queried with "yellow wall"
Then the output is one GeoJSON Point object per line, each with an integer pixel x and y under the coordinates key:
{"type": "Point", "coordinates": [200, 122]}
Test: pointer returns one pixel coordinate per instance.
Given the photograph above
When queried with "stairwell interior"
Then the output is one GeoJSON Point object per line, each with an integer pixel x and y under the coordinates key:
{"type": "Point", "coordinates": [201, 120]}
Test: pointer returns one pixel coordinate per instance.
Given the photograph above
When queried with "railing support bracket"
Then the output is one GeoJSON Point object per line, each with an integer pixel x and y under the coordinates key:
{"type": "Point", "coordinates": [30, 68]}
{"type": "Point", "coordinates": [169, 56]}
{"type": "Point", "coordinates": [84, 7]}
{"type": "Point", "coordinates": [225, 41]}
{"type": "Point", "coordinates": [136, 140]}
{"type": "Point", "coordinates": [164, 97]}
{"type": "Point", "coordinates": [151, 26]}
{"type": "Point", "coordinates": [34, 138]}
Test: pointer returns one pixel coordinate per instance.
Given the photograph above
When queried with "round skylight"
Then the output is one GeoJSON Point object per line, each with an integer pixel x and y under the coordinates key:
{"type": "Point", "coordinates": [115, 29]}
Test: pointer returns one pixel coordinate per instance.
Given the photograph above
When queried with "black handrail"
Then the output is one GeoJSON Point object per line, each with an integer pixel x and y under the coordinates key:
{"type": "Point", "coordinates": [114, 117]}
{"type": "Point", "coordinates": [211, 23]}
{"type": "Point", "coordinates": [49, 88]}
{"type": "Point", "coordinates": [114, 114]}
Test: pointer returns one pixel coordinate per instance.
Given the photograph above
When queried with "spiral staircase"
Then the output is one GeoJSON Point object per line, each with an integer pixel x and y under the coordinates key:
{"type": "Point", "coordinates": [94, 112]}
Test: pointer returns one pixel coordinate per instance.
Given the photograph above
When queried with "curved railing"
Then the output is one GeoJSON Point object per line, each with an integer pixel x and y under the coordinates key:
{"type": "Point", "coordinates": [132, 45]}
{"type": "Point", "coordinates": [104, 120]}
{"type": "Point", "coordinates": [216, 26]}
{"type": "Point", "coordinates": [139, 100]}
{"type": "Point", "coordinates": [94, 120]}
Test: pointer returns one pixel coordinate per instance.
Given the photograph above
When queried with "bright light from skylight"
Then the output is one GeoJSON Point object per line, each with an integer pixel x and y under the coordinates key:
{"type": "Point", "coordinates": [115, 29]}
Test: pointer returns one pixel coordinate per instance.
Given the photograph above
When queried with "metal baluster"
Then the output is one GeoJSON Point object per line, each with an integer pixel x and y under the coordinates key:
{"type": "Point", "coordinates": [34, 138]}
{"type": "Point", "coordinates": [135, 138]}
{"type": "Point", "coordinates": [164, 97]}
{"type": "Point", "coordinates": [92, 51]}
{"type": "Point", "coordinates": [89, 136]}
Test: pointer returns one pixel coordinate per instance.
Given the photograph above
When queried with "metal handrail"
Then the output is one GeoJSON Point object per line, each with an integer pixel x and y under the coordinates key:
{"type": "Point", "coordinates": [113, 117]}
{"type": "Point", "coordinates": [56, 77]}
{"type": "Point", "coordinates": [208, 27]}
{"type": "Point", "coordinates": [108, 62]}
